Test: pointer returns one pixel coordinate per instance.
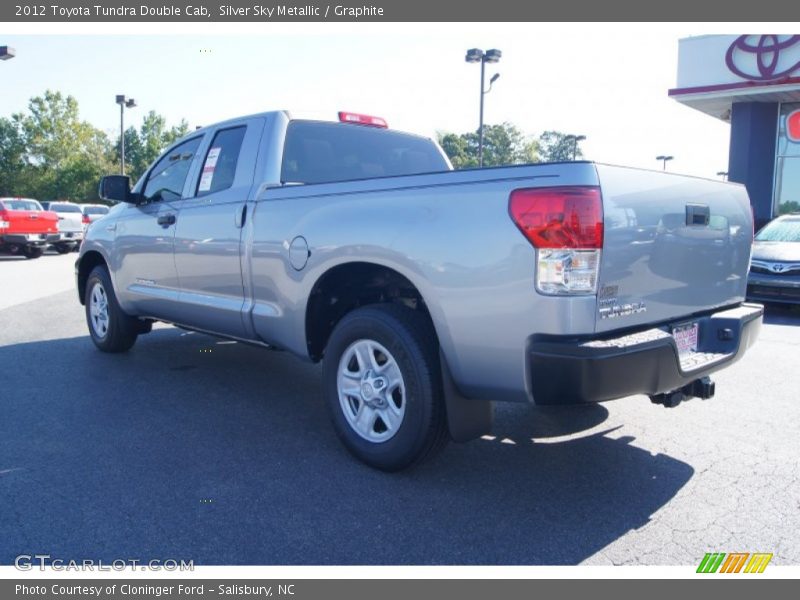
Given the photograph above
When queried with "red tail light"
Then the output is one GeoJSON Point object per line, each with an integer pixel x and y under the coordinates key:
{"type": "Point", "coordinates": [347, 117]}
{"type": "Point", "coordinates": [86, 220]}
{"type": "Point", "coordinates": [559, 217]}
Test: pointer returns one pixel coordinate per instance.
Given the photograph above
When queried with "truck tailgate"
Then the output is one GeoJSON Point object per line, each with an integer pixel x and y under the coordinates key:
{"type": "Point", "coordinates": [673, 246]}
{"type": "Point", "coordinates": [31, 221]}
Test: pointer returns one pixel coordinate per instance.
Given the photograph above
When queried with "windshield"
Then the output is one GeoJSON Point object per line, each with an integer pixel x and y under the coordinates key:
{"type": "Point", "coordinates": [21, 204]}
{"type": "Point", "coordinates": [319, 152]}
{"type": "Point", "coordinates": [785, 230]}
{"type": "Point", "coordinates": [95, 210]}
{"type": "Point", "coordinates": [65, 208]}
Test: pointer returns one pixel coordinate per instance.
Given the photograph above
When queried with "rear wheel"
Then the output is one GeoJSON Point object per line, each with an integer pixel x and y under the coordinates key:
{"type": "Point", "coordinates": [63, 249]}
{"type": "Point", "coordinates": [32, 251]}
{"type": "Point", "coordinates": [112, 330]}
{"type": "Point", "coordinates": [383, 386]}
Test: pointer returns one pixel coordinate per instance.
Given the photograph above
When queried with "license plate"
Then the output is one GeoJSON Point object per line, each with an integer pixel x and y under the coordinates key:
{"type": "Point", "coordinates": [685, 337]}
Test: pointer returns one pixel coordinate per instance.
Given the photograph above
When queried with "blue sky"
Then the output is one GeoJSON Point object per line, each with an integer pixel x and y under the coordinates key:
{"type": "Point", "coordinates": [608, 82]}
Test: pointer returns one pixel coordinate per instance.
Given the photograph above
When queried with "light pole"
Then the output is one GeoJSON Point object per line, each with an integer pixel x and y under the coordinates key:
{"type": "Point", "coordinates": [123, 104]}
{"type": "Point", "coordinates": [723, 175]}
{"type": "Point", "coordinates": [664, 160]}
{"type": "Point", "coordinates": [475, 55]}
{"type": "Point", "coordinates": [575, 139]}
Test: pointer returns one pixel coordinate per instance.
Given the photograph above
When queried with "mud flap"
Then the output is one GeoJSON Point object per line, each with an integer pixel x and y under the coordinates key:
{"type": "Point", "coordinates": [466, 419]}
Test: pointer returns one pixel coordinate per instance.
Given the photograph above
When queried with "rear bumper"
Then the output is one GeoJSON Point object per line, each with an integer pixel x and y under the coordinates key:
{"type": "Point", "coordinates": [645, 362]}
{"type": "Point", "coordinates": [66, 237]}
{"type": "Point", "coordinates": [24, 239]}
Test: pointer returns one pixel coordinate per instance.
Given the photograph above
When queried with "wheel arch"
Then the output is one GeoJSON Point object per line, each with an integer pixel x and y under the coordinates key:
{"type": "Point", "coordinates": [346, 286]}
{"type": "Point", "coordinates": [86, 264]}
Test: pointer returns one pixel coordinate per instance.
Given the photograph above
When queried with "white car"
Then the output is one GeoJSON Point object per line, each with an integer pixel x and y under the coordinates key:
{"type": "Point", "coordinates": [70, 225]}
{"type": "Point", "coordinates": [92, 212]}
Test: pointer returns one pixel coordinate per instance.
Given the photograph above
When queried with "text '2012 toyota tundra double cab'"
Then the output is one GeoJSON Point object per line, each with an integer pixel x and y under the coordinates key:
{"type": "Point", "coordinates": [426, 292]}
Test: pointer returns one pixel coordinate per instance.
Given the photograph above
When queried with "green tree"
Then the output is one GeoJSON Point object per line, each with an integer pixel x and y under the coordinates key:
{"type": "Point", "coordinates": [12, 157]}
{"type": "Point", "coordinates": [503, 144]}
{"type": "Point", "coordinates": [457, 148]}
{"type": "Point", "coordinates": [789, 206]}
{"type": "Point", "coordinates": [555, 146]}
{"type": "Point", "coordinates": [64, 156]}
{"type": "Point", "coordinates": [142, 147]}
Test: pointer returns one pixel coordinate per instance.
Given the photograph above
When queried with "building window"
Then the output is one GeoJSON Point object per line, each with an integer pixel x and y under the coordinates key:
{"type": "Point", "coordinates": [787, 163]}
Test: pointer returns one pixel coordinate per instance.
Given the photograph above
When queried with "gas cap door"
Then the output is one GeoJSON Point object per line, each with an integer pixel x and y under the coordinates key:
{"type": "Point", "coordinates": [299, 253]}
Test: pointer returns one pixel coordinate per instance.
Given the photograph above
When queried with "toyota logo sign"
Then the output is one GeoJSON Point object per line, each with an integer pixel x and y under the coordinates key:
{"type": "Point", "coordinates": [757, 57]}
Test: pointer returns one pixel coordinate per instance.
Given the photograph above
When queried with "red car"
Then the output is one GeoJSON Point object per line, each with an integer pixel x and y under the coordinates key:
{"type": "Point", "coordinates": [26, 228]}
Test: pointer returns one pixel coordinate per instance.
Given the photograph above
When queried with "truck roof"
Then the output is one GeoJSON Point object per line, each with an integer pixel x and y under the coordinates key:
{"type": "Point", "coordinates": [302, 115]}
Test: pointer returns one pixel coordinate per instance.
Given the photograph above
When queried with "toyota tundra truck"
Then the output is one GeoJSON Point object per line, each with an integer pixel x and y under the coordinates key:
{"type": "Point", "coordinates": [25, 227]}
{"type": "Point", "coordinates": [426, 293]}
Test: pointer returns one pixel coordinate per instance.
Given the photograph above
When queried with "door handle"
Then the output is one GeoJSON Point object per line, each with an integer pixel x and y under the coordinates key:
{"type": "Point", "coordinates": [697, 214]}
{"type": "Point", "coordinates": [166, 220]}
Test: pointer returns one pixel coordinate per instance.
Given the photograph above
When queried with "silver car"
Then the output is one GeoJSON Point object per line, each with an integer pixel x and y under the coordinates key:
{"type": "Point", "coordinates": [775, 265]}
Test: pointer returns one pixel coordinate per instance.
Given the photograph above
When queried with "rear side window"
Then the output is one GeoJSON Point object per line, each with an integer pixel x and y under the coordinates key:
{"type": "Point", "coordinates": [21, 204]}
{"type": "Point", "coordinates": [65, 208]}
{"type": "Point", "coordinates": [165, 180]}
{"type": "Point", "coordinates": [219, 167]}
{"type": "Point", "coordinates": [318, 152]}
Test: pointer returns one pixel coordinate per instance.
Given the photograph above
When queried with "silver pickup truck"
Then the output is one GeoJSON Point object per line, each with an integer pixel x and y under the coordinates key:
{"type": "Point", "coordinates": [427, 293]}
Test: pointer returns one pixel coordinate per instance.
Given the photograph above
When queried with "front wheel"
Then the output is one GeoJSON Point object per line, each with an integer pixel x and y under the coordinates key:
{"type": "Point", "coordinates": [32, 251]}
{"type": "Point", "coordinates": [63, 248]}
{"type": "Point", "coordinates": [383, 386]}
{"type": "Point", "coordinates": [112, 330]}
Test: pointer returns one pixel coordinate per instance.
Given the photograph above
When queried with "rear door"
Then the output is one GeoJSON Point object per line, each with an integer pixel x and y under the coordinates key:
{"type": "Point", "coordinates": [673, 246]}
{"type": "Point", "coordinates": [208, 240]}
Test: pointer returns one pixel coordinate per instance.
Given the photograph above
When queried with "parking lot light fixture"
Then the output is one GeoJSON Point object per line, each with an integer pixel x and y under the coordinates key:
{"type": "Point", "coordinates": [7, 53]}
{"type": "Point", "coordinates": [664, 158]}
{"type": "Point", "coordinates": [123, 104]}
{"type": "Point", "coordinates": [476, 55]}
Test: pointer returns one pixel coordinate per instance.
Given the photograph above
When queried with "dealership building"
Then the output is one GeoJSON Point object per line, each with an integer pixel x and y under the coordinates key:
{"type": "Point", "coordinates": [753, 83]}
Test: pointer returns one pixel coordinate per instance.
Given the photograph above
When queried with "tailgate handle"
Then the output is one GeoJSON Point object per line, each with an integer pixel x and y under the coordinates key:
{"type": "Point", "coordinates": [697, 214]}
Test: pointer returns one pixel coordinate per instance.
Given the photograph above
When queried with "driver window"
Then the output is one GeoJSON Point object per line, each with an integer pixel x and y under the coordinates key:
{"type": "Point", "coordinates": [166, 179]}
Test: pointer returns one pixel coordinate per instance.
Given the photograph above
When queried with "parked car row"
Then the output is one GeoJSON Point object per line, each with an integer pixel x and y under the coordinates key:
{"type": "Point", "coordinates": [28, 227]}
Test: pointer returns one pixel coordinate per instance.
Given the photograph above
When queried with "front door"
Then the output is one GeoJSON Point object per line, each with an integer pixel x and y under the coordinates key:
{"type": "Point", "coordinates": [146, 280]}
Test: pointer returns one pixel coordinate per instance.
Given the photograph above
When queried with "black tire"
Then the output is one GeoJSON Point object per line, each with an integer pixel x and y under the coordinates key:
{"type": "Point", "coordinates": [411, 341]}
{"type": "Point", "coordinates": [63, 249]}
{"type": "Point", "coordinates": [32, 251]}
{"type": "Point", "coordinates": [121, 329]}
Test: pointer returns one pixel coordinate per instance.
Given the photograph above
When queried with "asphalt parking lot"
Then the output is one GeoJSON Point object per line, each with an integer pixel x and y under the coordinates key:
{"type": "Point", "coordinates": [189, 447]}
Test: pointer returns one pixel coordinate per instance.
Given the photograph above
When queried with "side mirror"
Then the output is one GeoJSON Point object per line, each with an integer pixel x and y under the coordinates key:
{"type": "Point", "coordinates": [116, 188]}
